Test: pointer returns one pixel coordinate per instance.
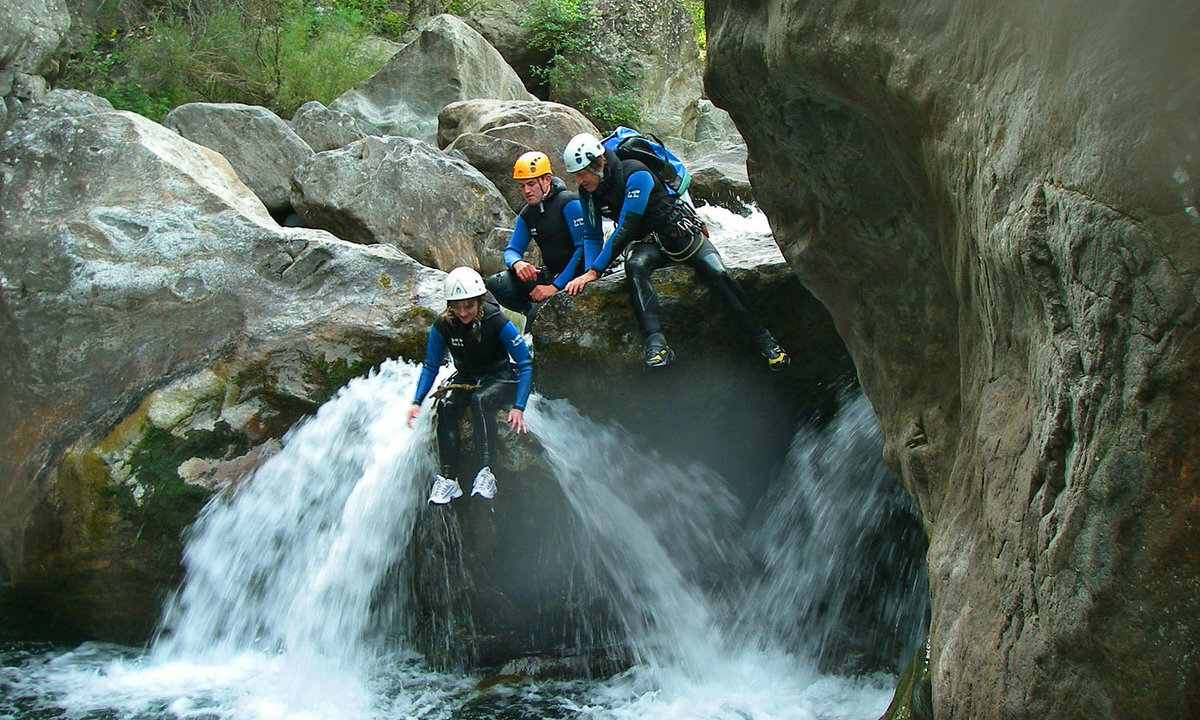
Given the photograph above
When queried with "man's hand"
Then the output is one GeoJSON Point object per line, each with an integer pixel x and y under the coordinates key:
{"type": "Point", "coordinates": [541, 292]}
{"type": "Point", "coordinates": [412, 413]}
{"type": "Point", "coordinates": [576, 286]}
{"type": "Point", "coordinates": [516, 420]}
{"type": "Point", "coordinates": [525, 271]}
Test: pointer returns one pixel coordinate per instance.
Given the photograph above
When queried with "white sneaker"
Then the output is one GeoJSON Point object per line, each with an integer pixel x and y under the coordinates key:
{"type": "Point", "coordinates": [485, 483]}
{"type": "Point", "coordinates": [444, 490]}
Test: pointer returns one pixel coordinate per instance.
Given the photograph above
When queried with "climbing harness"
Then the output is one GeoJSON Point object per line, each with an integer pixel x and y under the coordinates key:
{"type": "Point", "coordinates": [684, 224]}
{"type": "Point", "coordinates": [454, 386]}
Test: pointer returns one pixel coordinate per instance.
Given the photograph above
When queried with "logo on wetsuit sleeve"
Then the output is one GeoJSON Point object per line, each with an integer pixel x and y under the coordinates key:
{"type": "Point", "coordinates": [633, 193]}
{"type": "Point", "coordinates": [456, 342]}
{"type": "Point", "coordinates": [577, 222]}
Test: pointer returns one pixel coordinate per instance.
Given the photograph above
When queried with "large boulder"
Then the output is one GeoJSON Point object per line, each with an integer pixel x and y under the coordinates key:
{"type": "Point", "coordinates": [447, 61]}
{"type": "Point", "coordinates": [153, 312]}
{"type": "Point", "coordinates": [644, 54]}
{"type": "Point", "coordinates": [492, 134]}
{"type": "Point", "coordinates": [324, 129]}
{"type": "Point", "coordinates": [406, 193]}
{"type": "Point", "coordinates": [997, 203]}
{"type": "Point", "coordinates": [31, 32]}
{"type": "Point", "coordinates": [263, 149]}
{"type": "Point", "coordinates": [502, 24]}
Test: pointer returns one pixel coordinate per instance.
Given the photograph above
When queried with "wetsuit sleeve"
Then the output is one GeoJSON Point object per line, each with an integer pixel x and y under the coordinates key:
{"type": "Point", "coordinates": [518, 243]}
{"type": "Point", "coordinates": [637, 193]}
{"type": "Point", "coordinates": [435, 352]}
{"type": "Point", "coordinates": [519, 352]}
{"type": "Point", "coordinates": [593, 230]}
{"type": "Point", "coordinates": [573, 214]}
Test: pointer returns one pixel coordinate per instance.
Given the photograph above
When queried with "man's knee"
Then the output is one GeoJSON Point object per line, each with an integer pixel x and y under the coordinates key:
{"type": "Point", "coordinates": [640, 263]}
{"type": "Point", "coordinates": [710, 264]}
{"type": "Point", "coordinates": [498, 283]}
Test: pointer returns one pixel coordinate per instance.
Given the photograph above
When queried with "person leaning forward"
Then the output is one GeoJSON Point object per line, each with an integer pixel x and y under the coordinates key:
{"type": "Point", "coordinates": [657, 229]}
{"type": "Point", "coordinates": [553, 218]}
{"type": "Point", "coordinates": [492, 370]}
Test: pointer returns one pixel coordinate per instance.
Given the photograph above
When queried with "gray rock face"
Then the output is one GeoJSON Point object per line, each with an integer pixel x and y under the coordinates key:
{"type": "Point", "coordinates": [150, 308]}
{"type": "Point", "coordinates": [714, 124]}
{"type": "Point", "coordinates": [31, 32]}
{"type": "Point", "coordinates": [645, 49]}
{"type": "Point", "coordinates": [262, 148]}
{"type": "Point", "coordinates": [448, 61]}
{"type": "Point", "coordinates": [405, 193]}
{"type": "Point", "coordinates": [718, 170]}
{"type": "Point", "coordinates": [324, 129]}
{"type": "Point", "coordinates": [499, 22]}
{"type": "Point", "coordinates": [997, 204]}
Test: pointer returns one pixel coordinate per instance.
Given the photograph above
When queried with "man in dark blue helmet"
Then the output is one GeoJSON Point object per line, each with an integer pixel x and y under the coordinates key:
{"type": "Point", "coordinates": [657, 228]}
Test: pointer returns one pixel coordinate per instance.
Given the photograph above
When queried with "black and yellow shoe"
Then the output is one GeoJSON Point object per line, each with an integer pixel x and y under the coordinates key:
{"type": "Point", "coordinates": [659, 356]}
{"type": "Point", "coordinates": [777, 358]}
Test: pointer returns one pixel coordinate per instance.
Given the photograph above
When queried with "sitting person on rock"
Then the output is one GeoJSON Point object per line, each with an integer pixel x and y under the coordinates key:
{"type": "Point", "coordinates": [657, 229]}
{"type": "Point", "coordinates": [553, 219]}
{"type": "Point", "coordinates": [492, 370]}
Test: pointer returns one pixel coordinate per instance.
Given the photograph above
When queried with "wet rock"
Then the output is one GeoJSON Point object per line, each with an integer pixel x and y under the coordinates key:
{"type": "Point", "coordinates": [1002, 223]}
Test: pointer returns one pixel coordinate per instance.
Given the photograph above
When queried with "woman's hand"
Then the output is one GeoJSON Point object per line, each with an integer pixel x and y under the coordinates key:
{"type": "Point", "coordinates": [412, 412]}
{"type": "Point", "coordinates": [516, 420]}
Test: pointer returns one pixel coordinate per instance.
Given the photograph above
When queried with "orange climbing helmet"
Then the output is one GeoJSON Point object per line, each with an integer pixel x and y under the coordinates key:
{"type": "Point", "coordinates": [530, 165]}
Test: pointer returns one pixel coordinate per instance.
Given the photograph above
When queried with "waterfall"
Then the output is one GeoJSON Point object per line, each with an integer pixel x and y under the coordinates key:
{"type": "Point", "coordinates": [651, 527]}
{"type": "Point", "coordinates": [290, 561]}
{"type": "Point", "coordinates": [287, 609]}
{"type": "Point", "coordinates": [842, 578]}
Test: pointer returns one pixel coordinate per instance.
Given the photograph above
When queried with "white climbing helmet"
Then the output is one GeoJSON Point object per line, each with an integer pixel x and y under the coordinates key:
{"type": "Point", "coordinates": [463, 283]}
{"type": "Point", "coordinates": [581, 151]}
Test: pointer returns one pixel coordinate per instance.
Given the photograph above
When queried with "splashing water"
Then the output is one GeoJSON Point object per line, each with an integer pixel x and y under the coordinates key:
{"type": "Point", "coordinates": [840, 551]}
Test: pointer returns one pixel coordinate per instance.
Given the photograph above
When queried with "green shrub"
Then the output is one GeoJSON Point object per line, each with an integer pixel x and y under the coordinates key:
{"type": "Point", "coordinates": [275, 53]}
{"type": "Point", "coordinates": [696, 8]}
{"type": "Point", "coordinates": [555, 28]}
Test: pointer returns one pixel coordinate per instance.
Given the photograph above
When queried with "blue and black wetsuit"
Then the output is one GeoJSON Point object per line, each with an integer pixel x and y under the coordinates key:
{"type": "Point", "coordinates": [658, 231]}
{"type": "Point", "coordinates": [489, 353]}
{"type": "Point", "coordinates": [556, 225]}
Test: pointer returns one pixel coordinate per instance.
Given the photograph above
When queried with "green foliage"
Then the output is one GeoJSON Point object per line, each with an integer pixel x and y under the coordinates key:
{"type": "Point", "coordinates": [610, 111]}
{"type": "Point", "coordinates": [274, 53]}
{"type": "Point", "coordinates": [556, 28]}
{"type": "Point", "coordinates": [696, 8]}
{"type": "Point", "coordinates": [103, 70]}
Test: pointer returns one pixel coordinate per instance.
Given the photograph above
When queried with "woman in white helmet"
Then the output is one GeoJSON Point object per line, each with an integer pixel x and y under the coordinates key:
{"type": "Point", "coordinates": [492, 369]}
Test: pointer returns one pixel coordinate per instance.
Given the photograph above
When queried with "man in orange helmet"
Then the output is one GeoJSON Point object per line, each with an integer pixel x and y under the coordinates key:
{"type": "Point", "coordinates": [552, 218]}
